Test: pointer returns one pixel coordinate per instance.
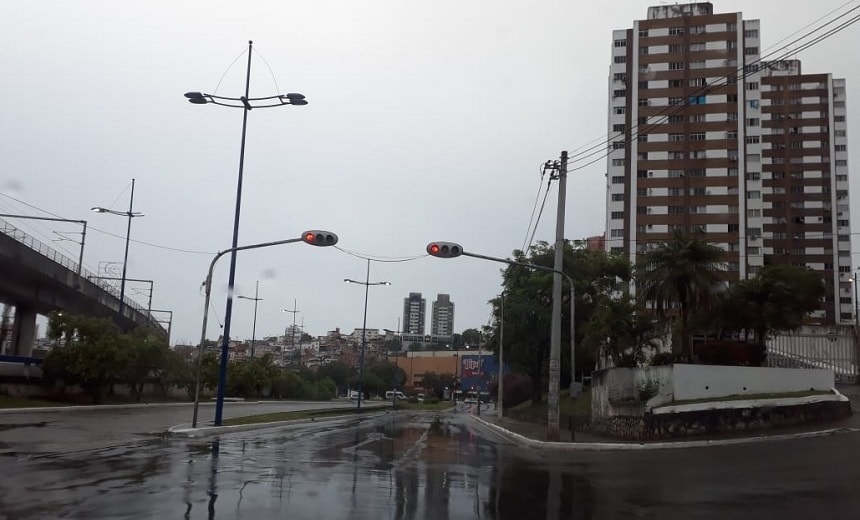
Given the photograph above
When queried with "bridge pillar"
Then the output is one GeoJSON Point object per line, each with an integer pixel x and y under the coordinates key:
{"type": "Point", "coordinates": [24, 331]}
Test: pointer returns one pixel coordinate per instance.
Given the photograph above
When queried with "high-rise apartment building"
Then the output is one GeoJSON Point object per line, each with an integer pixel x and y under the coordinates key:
{"type": "Point", "coordinates": [414, 314]}
{"type": "Point", "coordinates": [707, 138]}
{"type": "Point", "coordinates": [442, 316]}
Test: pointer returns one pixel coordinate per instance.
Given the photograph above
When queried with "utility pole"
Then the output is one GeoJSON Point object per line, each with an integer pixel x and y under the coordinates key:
{"type": "Point", "coordinates": [560, 174]}
{"type": "Point", "coordinates": [500, 398]}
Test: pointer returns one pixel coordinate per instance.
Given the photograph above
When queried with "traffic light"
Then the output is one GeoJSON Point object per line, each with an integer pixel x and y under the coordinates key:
{"type": "Point", "coordinates": [319, 238]}
{"type": "Point", "coordinates": [444, 249]}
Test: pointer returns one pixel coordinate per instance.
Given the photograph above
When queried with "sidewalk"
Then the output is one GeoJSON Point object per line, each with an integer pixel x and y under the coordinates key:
{"type": "Point", "coordinates": [534, 435]}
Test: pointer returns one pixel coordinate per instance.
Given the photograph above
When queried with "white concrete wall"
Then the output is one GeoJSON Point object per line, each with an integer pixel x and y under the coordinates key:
{"type": "Point", "coordinates": [710, 381]}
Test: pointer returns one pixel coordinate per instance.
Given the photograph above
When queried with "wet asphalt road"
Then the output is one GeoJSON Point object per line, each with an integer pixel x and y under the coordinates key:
{"type": "Point", "coordinates": [430, 466]}
{"type": "Point", "coordinates": [64, 431]}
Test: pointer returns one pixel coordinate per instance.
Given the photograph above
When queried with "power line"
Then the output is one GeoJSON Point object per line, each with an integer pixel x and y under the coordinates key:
{"type": "Point", "coordinates": [382, 259]}
{"type": "Point", "coordinates": [540, 213]}
{"type": "Point", "coordinates": [534, 208]}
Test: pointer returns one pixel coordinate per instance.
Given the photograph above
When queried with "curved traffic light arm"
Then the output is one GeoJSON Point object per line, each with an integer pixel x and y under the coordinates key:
{"type": "Point", "coordinates": [313, 237]}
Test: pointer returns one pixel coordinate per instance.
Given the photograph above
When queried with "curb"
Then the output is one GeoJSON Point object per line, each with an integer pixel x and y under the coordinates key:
{"type": "Point", "coordinates": [629, 446]}
{"type": "Point", "coordinates": [183, 430]}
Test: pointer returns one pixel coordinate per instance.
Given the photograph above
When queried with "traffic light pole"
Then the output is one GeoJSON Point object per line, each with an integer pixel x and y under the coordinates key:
{"type": "Point", "coordinates": [318, 238]}
{"type": "Point", "coordinates": [451, 250]}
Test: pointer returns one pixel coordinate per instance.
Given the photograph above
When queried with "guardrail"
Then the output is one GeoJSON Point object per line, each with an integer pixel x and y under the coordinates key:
{"type": "Point", "coordinates": [52, 254]}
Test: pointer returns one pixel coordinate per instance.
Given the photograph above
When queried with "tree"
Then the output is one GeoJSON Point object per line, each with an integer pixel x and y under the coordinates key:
{"type": "Point", "coordinates": [393, 345]}
{"type": "Point", "coordinates": [338, 371]}
{"type": "Point", "coordinates": [621, 331]}
{"type": "Point", "coordinates": [471, 337]}
{"type": "Point", "coordinates": [528, 307]}
{"type": "Point", "coordinates": [387, 372]}
{"type": "Point", "coordinates": [143, 353]}
{"type": "Point", "coordinates": [777, 299]}
{"type": "Point", "coordinates": [88, 356]}
{"type": "Point", "coordinates": [435, 384]}
{"type": "Point", "coordinates": [682, 272]}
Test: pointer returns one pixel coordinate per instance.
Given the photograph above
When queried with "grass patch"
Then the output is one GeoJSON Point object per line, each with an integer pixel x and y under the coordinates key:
{"type": "Point", "coordinates": [298, 414]}
{"type": "Point", "coordinates": [566, 405]}
{"type": "Point", "coordinates": [7, 401]}
{"type": "Point", "coordinates": [751, 397]}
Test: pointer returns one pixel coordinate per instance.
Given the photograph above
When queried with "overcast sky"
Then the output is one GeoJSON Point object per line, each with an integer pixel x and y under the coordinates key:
{"type": "Point", "coordinates": [426, 121]}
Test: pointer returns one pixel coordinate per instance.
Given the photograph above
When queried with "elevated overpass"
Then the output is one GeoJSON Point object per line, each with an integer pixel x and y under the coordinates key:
{"type": "Point", "coordinates": [37, 279]}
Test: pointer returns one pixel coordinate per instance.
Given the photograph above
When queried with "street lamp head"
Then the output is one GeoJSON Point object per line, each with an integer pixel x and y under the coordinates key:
{"type": "Point", "coordinates": [294, 98]}
{"type": "Point", "coordinates": [98, 210]}
{"type": "Point", "coordinates": [196, 97]}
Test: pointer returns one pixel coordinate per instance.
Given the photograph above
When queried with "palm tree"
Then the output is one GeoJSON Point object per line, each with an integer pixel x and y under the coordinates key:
{"type": "Point", "coordinates": [682, 272]}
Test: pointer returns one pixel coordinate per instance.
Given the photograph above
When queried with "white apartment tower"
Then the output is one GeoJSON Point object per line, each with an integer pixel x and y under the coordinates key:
{"type": "Point", "coordinates": [707, 138]}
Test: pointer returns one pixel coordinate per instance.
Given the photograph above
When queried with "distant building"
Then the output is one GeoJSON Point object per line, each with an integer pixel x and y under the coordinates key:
{"type": "Point", "coordinates": [442, 317]}
{"type": "Point", "coordinates": [597, 243]}
{"type": "Point", "coordinates": [414, 307]}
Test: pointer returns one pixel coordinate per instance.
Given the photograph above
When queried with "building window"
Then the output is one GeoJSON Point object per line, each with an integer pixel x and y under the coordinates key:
{"type": "Point", "coordinates": [697, 136]}
{"type": "Point", "coordinates": [751, 33]}
{"type": "Point", "coordinates": [676, 47]}
{"type": "Point", "coordinates": [695, 47]}
{"type": "Point", "coordinates": [676, 174]}
{"type": "Point", "coordinates": [643, 50]}
{"type": "Point", "coordinates": [617, 162]}
{"type": "Point", "coordinates": [617, 215]}
{"type": "Point", "coordinates": [619, 110]}
{"type": "Point", "coordinates": [752, 139]}
{"type": "Point", "coordinates": [755, 213]}
{"type": "Point", "coordinates": [618, 145]}
{"type": "Point", "coordinates": [753, 194]}
{"type": "Point", "coordinates": [732, 134]}
{"type": "Point", "coordinates": [751, 51]}
{"type": "Point", "coordinates": [617, 197]}
{"type": "Point", "coordinates": [617, 179]}
{"type": "Point", "coordinates": [676, 65]}
{"type": "Point", "coordinates": [676, 155]}
{"type": "Point", "coordinates": [695, 172]}
{"type": "Point", "coordinates": [641, 210]}
{"type": "Point", "coordinates": [641, 174]}
{"type": "Point", "coordinates": [734, 228]}
{"type": "Point", "coordinates": [618, 128]}
{"type": "Point", "coordinates": [841, 162]}
{"type": "Point", "coordinates": [698, 82]}
{"type": "Point", "coordinates": [616, 233]}
{"type": "Point", "coordinates": [676, 119]}
{"type": "Point", "coordinates": [698, 64]}
{"type": "Point", "coordinates": [644, 102]}
{"type": "Point", "coordinates": [616, 250]}
{"type": "Point", "coordinates": [754, 121]}
{"type": "Point", "coordinates": [620, 76]}
{"type": "Point", "coordinates": [697, 100]}
{"type": "Point", "coordinates": [752, 85]}
{"type": "Point", "coordinates": [676, 210]}
{"type": "Point", "coordinates": [620, 59]}
{"type": "Point", "coordinates": [621, 43]}
{"type": "Point", "coordinates": [674, 101]}
{"type": "Point", "coordinates": [675, 31]}
{"type": "Point", "coordinates": [676, 137]}
{"type": "Point", "coordinates": [643, 33]}
{"type": "Point", "coordinates": [619, 93]}
{"type": "Point", "coordinates": [643, 85]}
{"type": "Point", "coordinates": [840, 148]}
{"type": "Point", "coordinates": [641, 192]}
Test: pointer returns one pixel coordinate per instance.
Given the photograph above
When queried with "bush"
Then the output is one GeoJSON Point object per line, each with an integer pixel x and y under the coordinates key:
{"type": "Point", "coordinates": [517, 389]}
{"type": "Point", "coordinates": [731, 353]}
{"type": "Point", "coordinates": [663, 358]}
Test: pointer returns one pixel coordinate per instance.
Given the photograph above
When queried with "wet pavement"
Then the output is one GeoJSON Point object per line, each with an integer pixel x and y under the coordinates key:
{"type": "Point", "coordinates": [428, 466]}
{"type": "Point", "coordinates": [69, 430]}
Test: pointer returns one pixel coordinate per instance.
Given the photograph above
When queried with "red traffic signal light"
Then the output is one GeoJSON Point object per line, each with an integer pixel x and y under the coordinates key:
{"type": "Point", "coordinates": [319, 238]}
{"type": "Point", "coordinates": [444, 249]}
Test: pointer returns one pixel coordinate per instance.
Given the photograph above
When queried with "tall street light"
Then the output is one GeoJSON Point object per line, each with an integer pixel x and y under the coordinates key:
{"type": "Point", "coordinates": [246, 103]}
{"type": "Point", "coordinates": [81, 222]}
{"type": "Point", "coordinates": [255, 299]}
{"type": "Point", "coordinates": [314, 238]}
{"type": "Point", "coordinates": [130, 214]}
{"type": "Point", "coordinates": [452, 250]}
{"type": "Point", "coordinates": [366, 283]}
{"type": "Point", "coordinates": [292, 333]}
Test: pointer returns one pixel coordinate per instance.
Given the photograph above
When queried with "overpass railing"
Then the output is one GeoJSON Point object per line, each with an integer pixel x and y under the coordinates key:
{"type": "Point", "coordinates": [20, 236]}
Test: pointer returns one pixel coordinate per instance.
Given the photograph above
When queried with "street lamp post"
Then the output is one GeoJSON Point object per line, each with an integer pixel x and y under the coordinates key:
{"type": "Point", "coordinates": [366, 283]}
{"type": "Point", "coordinates": [83, 223]}
{"type": "Point", "coordinates": [292, 332]}
{"type": "Point", "coordinates": [130, 214]}
{"type": "Point", "coordinates": [316, 238]}
{"type": "Point", "coordinates": [451, 250]}
{"type": "Point", "coordinates": [500, 398]}
{"type": "Point", "coordinates": [255, 299]}
{"type": "Point", "coordinates": [246, 103]}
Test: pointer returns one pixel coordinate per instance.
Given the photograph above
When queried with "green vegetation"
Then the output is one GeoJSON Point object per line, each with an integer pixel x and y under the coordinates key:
{"type": "Point", "coordinates": [751, 397]}
{"type": "Point", "coordinates": [7, 401]}
{"type": "Point", "coordinates": [566, 405]}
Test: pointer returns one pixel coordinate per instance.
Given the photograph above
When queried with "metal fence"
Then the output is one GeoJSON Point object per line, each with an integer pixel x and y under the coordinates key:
{"type": "Point", "coordinates": [834, 349]}
{"type": "Point", "coordinates": [22, 237]}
